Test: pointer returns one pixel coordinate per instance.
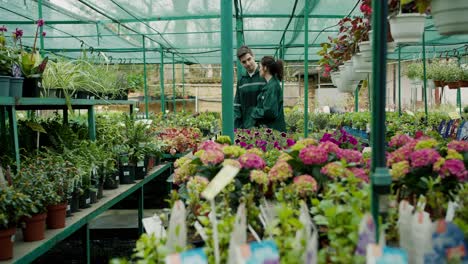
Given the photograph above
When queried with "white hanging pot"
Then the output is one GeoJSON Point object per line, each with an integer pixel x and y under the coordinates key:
{"type": "Point", "coordinates": [335, 77]}
{"type": "Point", "coordinates": [450, 17]}
{"type": "Point", "coordinates": [361, 64]}
{"type": "Point", "coordinates": [407, 28]}
{"type": "Point", "coordinates": [391, 46]}
{"type": "Point", "coordinates": [346, 83]}
{"type": "Point", "coordinates": [366, 49]}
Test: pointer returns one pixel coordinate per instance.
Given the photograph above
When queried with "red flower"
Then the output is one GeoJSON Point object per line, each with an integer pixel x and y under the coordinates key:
{"type": "Point", "coordinates": [40, 22]}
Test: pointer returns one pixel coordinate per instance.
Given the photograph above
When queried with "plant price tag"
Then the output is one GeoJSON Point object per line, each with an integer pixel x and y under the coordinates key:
{"type": "Point", "coordinates": [126, 173]}
{"type": "Point", "coordinates": [12, 238]}
{"type": "Point", "coordinates": [194, 256]}
{"type": "Point", "coordinates": [220, 181]}
{"type": "Point", "coordinates": [258, 252]}
{"type": "Point", "coordinates": [454, 115]}
{"type": "Point", "coordinates": [141, 163]}
{"type": "Point", "coordinates": [88, 200]}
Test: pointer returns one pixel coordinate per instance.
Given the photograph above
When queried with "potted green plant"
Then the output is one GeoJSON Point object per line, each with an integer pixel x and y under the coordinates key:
{"type": "Point", "coordinates": [451, 75]}
{"type": "Point", "coordinates": [32, 180]}
{"type": "Point", "coordinates": [450, 16]}
{"type": "Point", "coordinates": [31, 63]}
{"type": "Point", "coordinates": [414, 72]}
{"type": "Point", "coordinates": [407, 19]}
{"type": "Point", "coordinates": [463, 77]}
{"type": "Point", "coordinates": [13, 205]}
{"type": "Point", "coordinates": [5, 65]}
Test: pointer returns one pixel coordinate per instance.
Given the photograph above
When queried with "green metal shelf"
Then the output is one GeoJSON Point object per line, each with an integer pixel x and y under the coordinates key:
{"type": "Point", "coordinates": [57, 103]}
{"type": "Point", "coordinates": [26, 252]}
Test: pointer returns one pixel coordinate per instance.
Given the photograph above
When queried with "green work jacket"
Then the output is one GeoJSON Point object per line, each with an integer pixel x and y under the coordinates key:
{"type": "Point", "coordinates": [269, 111]}
{"type": "Point", "coordinates": [245, 101]}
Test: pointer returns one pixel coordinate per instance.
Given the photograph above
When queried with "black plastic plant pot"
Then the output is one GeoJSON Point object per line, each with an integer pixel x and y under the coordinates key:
{"type": "Point", "coordinates": [69, 202]}
{"type": "Point", "coordinates": [112, 181]}
{"type": "Point", "coordinates": [32, 87]}
{"type": "Point", "coordinates": [140, 170]}
{"type": "Point", "coordinates": [74, 204]}
{"type": "Point", "coordinates": [127, 174]}
{"type": "Point", "coordinates": [93, 196]}
{"type": "Point", "coordinates": [100, 192]}
{"type": "Point", "coordinates": [85, 200]}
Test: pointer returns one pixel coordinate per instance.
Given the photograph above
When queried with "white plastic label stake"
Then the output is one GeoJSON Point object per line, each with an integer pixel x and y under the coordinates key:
{"type": "Point", "coordinates": [214, 222]}
{"type": "Point", "coordinates": [153, 225]}
{"type": "Point", "coordinates": [141, 163]}
{"type": "Point", "coordinates": [12, 239]}
{"type": "Point", "coordinates": [201, 230]}
{"type": "Point", "coordinates": [220, 181]}
{"type": "Point", "coordinates": [451, 208]}
{"type": "Point", "coordinates": [126, 173]}
{"type": "Point", "coordinates": [117, 178]}
{"type": "Point", "coordinates": [88, 201]}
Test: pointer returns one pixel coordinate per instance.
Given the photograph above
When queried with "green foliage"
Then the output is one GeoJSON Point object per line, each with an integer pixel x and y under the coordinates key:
{"type": "Point", "coordinates": [339, 211]}
{"type": "Point", "coordinates": [14, 205]}
{"type": "Point", "coordinates": [415, 71]}
{"type": "Point", "coordinates": [135, 82]}
{"type": "Point", "coordinates": [461, 215]}
{"type": "Point", "coordinates": [6, 61]}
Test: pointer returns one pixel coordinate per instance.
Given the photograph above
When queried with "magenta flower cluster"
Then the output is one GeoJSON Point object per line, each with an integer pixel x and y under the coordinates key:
{"type": "Point", "coordinates": [329, 146]}
{"type": "Point", "coordinates": [211, 145]}
{"type": "Point", "coordinates": [313, 155]}
{"type": "Point", "coordinates": [212, 157]}
{"type": "Point", "coordinates": [424, 157]}
{"type": "Point", "coordinates": [252, 161]}
{"type": "Point", "coordinates": [456, 168]}
{"type": "Point", "coordinates": [399, 141]}
{"type": "Point", "coordinates": [351, 156]}
{"type": "Point", "coordinates": [459, 146]}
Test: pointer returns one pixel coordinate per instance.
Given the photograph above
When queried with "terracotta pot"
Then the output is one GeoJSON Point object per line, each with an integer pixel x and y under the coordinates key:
{"type": "Point", "coordinates": [439, 83]}
{"type": "Point", "coordinates": [463, 83]}
{"type": "Point", "coordinates": [56, 216]}
{"type": "Point", "coordinates": [453, 85]}
{"type": "Point", "coordinates": [7, 237]}
{"type": "Point", "coordinates": [34, 227]}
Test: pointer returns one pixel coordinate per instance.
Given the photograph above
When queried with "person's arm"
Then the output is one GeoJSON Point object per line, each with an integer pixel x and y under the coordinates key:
{"type": "Point", "coordinates": [268, 110]}
{"type": "Point", "coordinates": [237, 109]}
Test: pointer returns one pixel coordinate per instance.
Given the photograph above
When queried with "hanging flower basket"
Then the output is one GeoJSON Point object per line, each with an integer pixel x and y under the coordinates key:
{"type": "Point", "coordinates": [407, 28]}
{"type": "Point", "coordinates": [463, 84]}
{"type": "Point", "coordinates": [450, 17]}
{"type": "Point", "coordinates": [453, 85]}
{"type": "Point", "coordinates": [439, 83]}
{"type": "Point", "coordinates": [335, 77]}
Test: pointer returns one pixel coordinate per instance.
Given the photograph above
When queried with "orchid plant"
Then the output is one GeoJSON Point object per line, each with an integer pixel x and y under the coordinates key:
{"type": "Point", "coordinates": [32, 65]}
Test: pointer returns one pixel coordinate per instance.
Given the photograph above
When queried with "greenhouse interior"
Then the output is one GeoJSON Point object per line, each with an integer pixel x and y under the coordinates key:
{"type": "Point", "coordinates": [234, 131]}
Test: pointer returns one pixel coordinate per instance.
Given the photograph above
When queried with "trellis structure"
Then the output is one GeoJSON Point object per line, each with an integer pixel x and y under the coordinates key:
{"type": "Point", "coordinates": [205, 31]}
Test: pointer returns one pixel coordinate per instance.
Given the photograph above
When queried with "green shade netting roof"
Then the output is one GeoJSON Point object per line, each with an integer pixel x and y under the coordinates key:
{"type": "Point", "coordinates": [189, 28]}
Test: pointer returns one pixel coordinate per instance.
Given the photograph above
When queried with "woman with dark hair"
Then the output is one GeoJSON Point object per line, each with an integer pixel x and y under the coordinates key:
{"type": "Point", "coordinates": [269, 110]}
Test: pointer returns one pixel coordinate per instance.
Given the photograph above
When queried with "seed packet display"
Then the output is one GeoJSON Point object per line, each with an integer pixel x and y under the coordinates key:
{"type": "Point", "coordinates": [264, 252]}
{"type": "Point", "coordinates": [194, 256]}
{"type": "Point", "coordinates": [448, 244]}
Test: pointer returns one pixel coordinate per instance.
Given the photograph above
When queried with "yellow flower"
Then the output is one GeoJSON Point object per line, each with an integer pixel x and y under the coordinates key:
{"type": "Point", "coordinates": [256, 151]}
{"type": "Point", "coordinates": [453, 154]}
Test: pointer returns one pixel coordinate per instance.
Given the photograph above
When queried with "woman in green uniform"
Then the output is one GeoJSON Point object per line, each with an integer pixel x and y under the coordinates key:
{"type": "Point", "coordinates": [269, 110]}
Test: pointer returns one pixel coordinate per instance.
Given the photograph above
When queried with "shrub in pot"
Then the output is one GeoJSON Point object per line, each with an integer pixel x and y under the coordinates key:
{"type": "Point", "coordinates": [33, 181]}
{"type": "Point", "coordinates": [13, 205]}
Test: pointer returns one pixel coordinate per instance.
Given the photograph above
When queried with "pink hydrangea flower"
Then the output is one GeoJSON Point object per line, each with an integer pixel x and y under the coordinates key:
{"type": "Point", "coordinates": [211, 145]}
{"type": "Point", "coordinates": [400, 154]}
{"type": "Point", "coordinates": [349, 155]}
{"type": "Point", "coordinates": [305, 185]}
{"type": "Point", "coordinates": [360, 173]}
{"type": "Point", "coordinates": [281, 171]}
{"type": "Point", "coordinates": [456, 168]}
{"type": "Point", "coordinates": [424, 157]}
{"type": "Point", "coordinates": [459, 146]}
{"type": "Point", "coordinates": [329, 146]}
{"type": "Point", "coordinates": [212, 157]}
{"type": "Point", "coordinates": [313, 155]}
{"type": "Point", "coordinates": [399, 141]}
{"type": "Point", "coordinates": [252, 161]}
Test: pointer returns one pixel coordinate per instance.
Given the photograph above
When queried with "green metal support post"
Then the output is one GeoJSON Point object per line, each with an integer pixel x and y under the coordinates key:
{"type": "Point", "coordinates": [91, 123]}
{"type": "Point", "coordinates": [3, 138]}
{"type": "Point", "coordinates": [282, 58]}
{"type": "Point", "coordinates": [399, 80]}
{"type": "Point", "coordinates": [227, 69]}
{"type": "Point", "coordinates": [356, 99]}
{"type": "Point", "coordinates": [380, 175]}
{"type": "Point", "coordinates": [86, 239]}
{"type": "Point", "coordinates": [161, 82]}
{"type": "Point", "coordinates": [141, 205]}
{"type": "Point", "coordinates": [173, 84]}
{"type": "Point", "coordinates": [183, 83]}
{"type": "Point", "coordinates": [145, 82]}
{"type": "Point", "coordinates": [306, 69]}
{"type": "Point", "coordinates": [239, 38]}
{"type": "Point", "coordinates": [424, 74]}
{"type": "Point", "coordinates": [14, 134]}
{"type": "Point", "coordinates": [459, 103]}
{"type": "Point", "coordinates": [41, 29]}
